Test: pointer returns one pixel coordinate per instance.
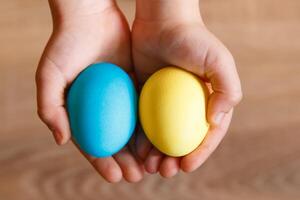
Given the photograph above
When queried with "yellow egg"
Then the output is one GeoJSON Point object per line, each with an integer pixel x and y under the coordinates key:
{"type": "Point", "coordinates": [172, 109]}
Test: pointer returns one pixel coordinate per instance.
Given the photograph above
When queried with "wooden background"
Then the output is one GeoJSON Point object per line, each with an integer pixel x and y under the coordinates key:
{"type": "Point", "coordinates": [259, 158]}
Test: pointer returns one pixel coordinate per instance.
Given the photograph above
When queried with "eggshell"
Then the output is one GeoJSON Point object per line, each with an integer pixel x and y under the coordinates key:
{"type": "Point", "coordinates": [172, 109]}
{"type": "Point", "coordinates": [102, 107]}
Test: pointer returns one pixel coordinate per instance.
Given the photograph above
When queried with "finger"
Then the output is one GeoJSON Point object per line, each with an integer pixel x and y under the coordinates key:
{"type": "Point", "coordinates": [227, 93]}
{"type": "Point", "coordinates": [108, 168]}
{"type": "Point", "coordinates": [131, 146]}
{"type": "Point", "coordinates": [195, 159]}
{"type": "Point", "coordinates": [143, 145]}
{"type": "Point", "coordinates": [51, 86]}
{"type": "Point", "coordinates": [169, 167]}
{"type": "Point", "coordinates": [131, 169]}
{"type": "Point", "coordinates": [153, 161]}
{"type": "Point", "coordinates": [216, 65]}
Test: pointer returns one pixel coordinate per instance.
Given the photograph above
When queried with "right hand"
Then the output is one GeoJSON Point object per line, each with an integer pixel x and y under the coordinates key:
{"type": "Point", "coordinates": [84, 32]}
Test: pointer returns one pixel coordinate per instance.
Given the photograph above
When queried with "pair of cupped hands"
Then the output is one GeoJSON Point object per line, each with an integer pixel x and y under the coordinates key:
{"type": "Point", "coordinates": [103, 35]}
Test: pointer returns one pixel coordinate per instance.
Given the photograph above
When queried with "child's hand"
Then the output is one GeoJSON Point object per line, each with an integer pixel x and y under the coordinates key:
{"type": "Point", "coordinates": [182, 40]}
{"type": "Point", "coordinates": [84, 32]}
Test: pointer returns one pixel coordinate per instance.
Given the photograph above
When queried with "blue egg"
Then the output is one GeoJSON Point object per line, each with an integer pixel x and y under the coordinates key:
{"type": "Point", "coordinates": [102, 108]}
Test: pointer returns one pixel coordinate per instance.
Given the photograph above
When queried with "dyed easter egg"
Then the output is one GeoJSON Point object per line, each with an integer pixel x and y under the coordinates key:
{"type": "Point", "coordinates": [102, 108]}
{"type": "Point", "coordinates": [172, 110]}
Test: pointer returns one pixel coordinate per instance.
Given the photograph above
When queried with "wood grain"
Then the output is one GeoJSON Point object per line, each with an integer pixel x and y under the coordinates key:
{"type": "Point", "coordinates": [259, 158]}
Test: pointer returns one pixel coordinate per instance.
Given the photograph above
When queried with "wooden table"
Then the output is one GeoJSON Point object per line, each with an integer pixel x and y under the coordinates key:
{"type": "Point", "coordinates": [259, 158]}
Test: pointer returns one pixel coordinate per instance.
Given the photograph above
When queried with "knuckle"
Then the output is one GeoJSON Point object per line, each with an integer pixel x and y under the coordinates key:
{"type": "Point", "coordinates": [235, 97]}
{"type": "Point", "coordinates": [206, 148]}
{"type": "Point", "coordinates": [227, 56]}
{"type": "Point", "coordinates": [224, 57]}
{"type": "Point", "coordinates": [230, 58]}
{"type": "Point", "coordinates": [38, 75]}
{"type": "Point", "coordinates": [45, 115]}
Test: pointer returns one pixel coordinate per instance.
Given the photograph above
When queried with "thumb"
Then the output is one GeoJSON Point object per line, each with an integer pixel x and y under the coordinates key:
{"type": "Point", "coordinates": [51, 86]}
{"type": "Point", "coordinates": [225, 82]}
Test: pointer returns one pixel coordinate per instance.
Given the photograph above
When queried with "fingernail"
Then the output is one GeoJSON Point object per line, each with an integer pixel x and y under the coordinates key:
{"type": "Point", "coordinates": [218, 118]}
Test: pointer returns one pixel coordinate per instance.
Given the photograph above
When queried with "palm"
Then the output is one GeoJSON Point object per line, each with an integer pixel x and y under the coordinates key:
{"type": "Point", "coordinates": [87, 40]}
{"type": "Point", "coordinates": [192, 47]}
{"type": "Point", "coordinates": [74, 45]}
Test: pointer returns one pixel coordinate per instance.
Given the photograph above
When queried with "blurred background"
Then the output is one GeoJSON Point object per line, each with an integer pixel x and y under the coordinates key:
{"type": "Point", "coordinates": [258, 159]}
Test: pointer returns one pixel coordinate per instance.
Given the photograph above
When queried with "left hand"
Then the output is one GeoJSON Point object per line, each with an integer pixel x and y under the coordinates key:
{"type": "Point", "coordinates": [189, 45]}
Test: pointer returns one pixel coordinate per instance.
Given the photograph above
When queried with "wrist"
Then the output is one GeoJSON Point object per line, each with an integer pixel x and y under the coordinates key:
{"type": "Point", "coordinates": [168, 10]}
{"type": "Point", "coordinates": [72, 10]}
